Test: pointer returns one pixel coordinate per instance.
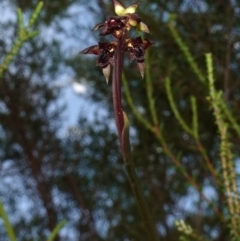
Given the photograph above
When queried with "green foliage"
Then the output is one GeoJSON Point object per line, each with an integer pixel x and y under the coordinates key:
{"type": "Point", "coordinates": [56, 230]}
{"type": "Point", "coordinates": [10, 231]}
{"type": "Point", "coordinates": [188, 232]}
{"type": "Point", "coordinates": [222, 115]}
{"type": "Point", "coordinates": [7, 223]}
{"type": "Point", "coordinates": [24, 34]}
{"type": "Point", "coordinates": [184, 48]}
{"type": "Point", "coordinates": [228, 170]}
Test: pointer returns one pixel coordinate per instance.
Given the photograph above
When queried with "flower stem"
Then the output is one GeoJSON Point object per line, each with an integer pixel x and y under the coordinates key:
{"type": "Point", "coordinates": [123, 133]}
{"type": "Point", "coordinates": [116, 86]}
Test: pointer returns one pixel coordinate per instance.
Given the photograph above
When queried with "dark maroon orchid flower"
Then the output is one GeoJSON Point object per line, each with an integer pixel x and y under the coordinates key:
{"type": "Point", "coordinates": [137, 48]}
{"type": "Point", "coordinates": [127, 19]}
{"type": "Point", "coordinates": [133, 20]}
{"type": "Point", "coordinates": [105, 52]}
{"type": "Point", "coordinates": [118, 26]}
{"type": "Point", "coordinates": [114, 26]}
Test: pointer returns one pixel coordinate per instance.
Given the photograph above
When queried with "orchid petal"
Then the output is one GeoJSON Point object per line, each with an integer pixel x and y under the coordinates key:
{"type": "Point", "coordinates": [143, 27]}
{"type": "Point", "coordinates": [99, 25]}
{"type": "Point", "coordinates": [106, 72]}
{"type": "Point", "coordinates": [131, 8]}
{"type": "Point", "coordinates": [118, 8]}
{"type": "Point", "coordinates": [134, 19]}
{"type": "Point", "coordinates": [91, 50]}
{"type": "Point", "coordinates": [141, 67]}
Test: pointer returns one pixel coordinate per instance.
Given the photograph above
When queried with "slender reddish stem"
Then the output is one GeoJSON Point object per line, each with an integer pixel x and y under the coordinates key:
{"type": "Point", "coordinates": [116, 85]}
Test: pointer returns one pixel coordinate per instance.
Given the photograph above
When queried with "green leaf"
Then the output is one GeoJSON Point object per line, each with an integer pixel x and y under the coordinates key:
{"type": "Point", "coordinates": [56, 230]}
{"type": "Point", "coordinates": [7, 224]}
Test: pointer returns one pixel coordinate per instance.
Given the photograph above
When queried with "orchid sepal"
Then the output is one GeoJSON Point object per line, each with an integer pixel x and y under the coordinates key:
{"type": "Point", "coordinates": [91, 50]}
{"type": "Point", "coordinates": [106, 72]}
{"type": "Point", "coordinates": [120, 10]}
{"type": "Point", "coordinates": [143, 27]}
